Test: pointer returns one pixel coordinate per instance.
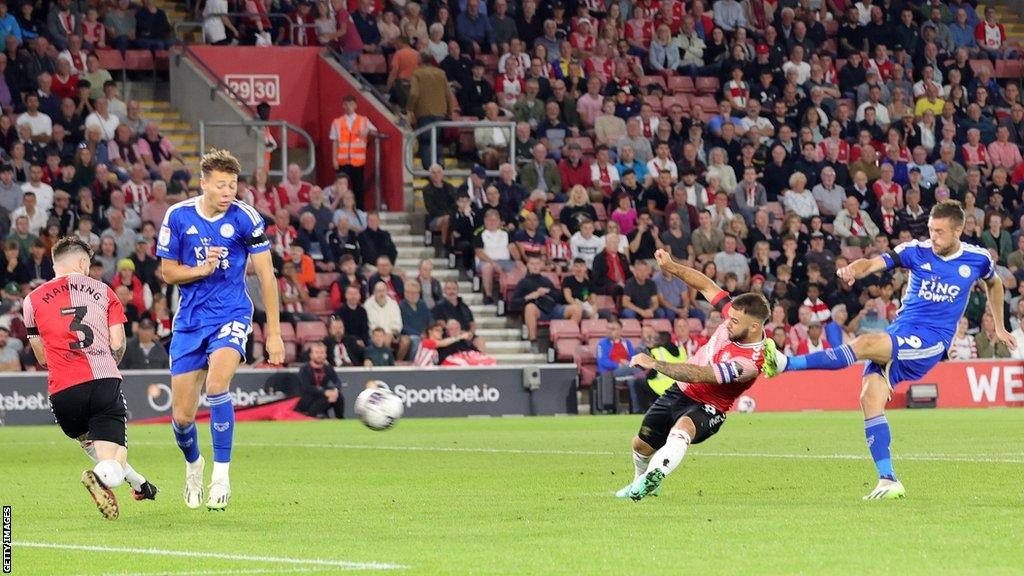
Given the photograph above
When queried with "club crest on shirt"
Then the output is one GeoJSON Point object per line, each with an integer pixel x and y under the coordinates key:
{"type": "Point", "coordinates": [965, 270]}
{"type": "Point", "coordinates": [227, 230]}
{"type": "Point", "coordinates": [165, 236]}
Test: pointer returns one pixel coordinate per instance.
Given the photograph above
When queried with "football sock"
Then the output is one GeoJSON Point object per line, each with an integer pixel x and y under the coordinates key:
{"type": "Point", "coordinates": [671, 454]}
{"type": "Point", "coordinates": [640, 463]}
{"type": "Point", "coordinates": [188, 440]}
{"type": "Point", "coordinates": [222, 427]}
{"type": "Point", "coordinates": [134, 478]}
{"type": "Point", "coordinates": [876, 433]}
{"type": "Point", "coordinates": [90, 450]}
{"type": "Point", "coordinates": [832, 359]}
{"type": "Point", "coordinates": [110, 473]}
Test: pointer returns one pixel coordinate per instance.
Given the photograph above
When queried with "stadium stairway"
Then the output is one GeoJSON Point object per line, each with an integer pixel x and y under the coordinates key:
{"type": "Point", "coordinates": [502, 339]}
{"type": "Point", "coordinates": [176, 129]}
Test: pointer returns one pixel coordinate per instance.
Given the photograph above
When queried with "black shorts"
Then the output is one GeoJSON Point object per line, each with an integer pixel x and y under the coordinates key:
{"type": "Point", "coordinates": [669, 408]}
{"type": "Point", "coordinates": [96, 408]}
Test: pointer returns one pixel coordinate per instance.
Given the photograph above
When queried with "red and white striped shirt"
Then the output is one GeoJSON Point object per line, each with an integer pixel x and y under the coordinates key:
{"type": "Point", "coordinates": [137, 195]}
{"type": "Point", "coordinates": [73, 315]}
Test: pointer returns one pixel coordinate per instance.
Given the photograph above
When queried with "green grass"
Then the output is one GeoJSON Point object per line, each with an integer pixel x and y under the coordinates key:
{"type": "Point", "coordinates": [536, 498]}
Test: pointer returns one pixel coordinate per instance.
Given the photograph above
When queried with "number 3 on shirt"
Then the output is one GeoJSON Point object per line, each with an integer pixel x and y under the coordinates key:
{"type": "Point", "coordinates": [77, 326]}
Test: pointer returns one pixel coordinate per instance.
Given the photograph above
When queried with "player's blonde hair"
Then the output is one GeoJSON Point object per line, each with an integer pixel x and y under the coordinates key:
{"type": "Point", "coordinates": [219, 160]}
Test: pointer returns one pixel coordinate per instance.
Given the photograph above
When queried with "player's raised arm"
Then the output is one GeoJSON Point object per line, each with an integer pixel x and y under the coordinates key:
{"type": "Point", "coordinates": [264, 267]}
{"type": "Point", "coordinates": [175, 272]}
{"type": "Point", "coordinates": [860, 268]}
{"type": "Point", "coordinates": [694, 278]}
{"type": "Point", "coordinates": [994, 286]}
{"type": "Point", "coordinates": [739, 370]}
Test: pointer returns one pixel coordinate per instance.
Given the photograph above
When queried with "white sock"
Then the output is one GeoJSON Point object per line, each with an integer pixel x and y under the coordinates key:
{"type": "Point", "coordinates": [90, 450]}
{"type": "Point", "coordinates": [220, 471]}
{"type": "Point", "coordinates": [640, 463]}
{"type": "Point", "coordinates": [110, 473]}
{"type": "Point", "coordinates": [671, 454]}
{"type": "Point", "coordinates": [134, 478]}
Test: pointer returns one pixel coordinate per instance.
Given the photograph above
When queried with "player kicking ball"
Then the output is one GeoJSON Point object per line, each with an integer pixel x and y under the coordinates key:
{"type": "Point", "coordinates": [76, 328]}
{"type": "Point", "coordinates": [203, 244]}
{"type": "Point", "coordinates": [693, 410]}
{"type": "Point", "coordinates": [942, 272]}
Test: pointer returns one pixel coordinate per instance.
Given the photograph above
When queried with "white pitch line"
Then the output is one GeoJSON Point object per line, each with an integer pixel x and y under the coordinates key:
{"type": "Point", "coordinates": [215, 555]}
{"type": "Point", "coordinates": [785, 456]}
{"type": "Point", "coordinates": [309, 570]}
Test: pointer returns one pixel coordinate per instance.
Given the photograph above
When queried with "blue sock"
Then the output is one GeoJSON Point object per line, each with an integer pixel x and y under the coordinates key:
{"type": "Point", "coordinates": [831, 359]}
{"type": "Point", "coordinates": [876, 432]}
{"type": "Point", "coordinates": [187, 440]}
{"type": "Point", "coordinates": [222, 425]}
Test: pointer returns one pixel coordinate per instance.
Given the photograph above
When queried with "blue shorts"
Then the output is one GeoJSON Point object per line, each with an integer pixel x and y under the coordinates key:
{"type": "Point", "coordinates": [915, 351]}
{"type": "Point", "coordinates": [190, 350]}
{"type": "Point", "coordinates": [557, 313]}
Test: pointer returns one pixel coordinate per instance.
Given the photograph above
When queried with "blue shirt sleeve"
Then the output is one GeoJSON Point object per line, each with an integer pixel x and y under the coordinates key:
{"type": "Point", "coordinates": [168, 245]}
{"type": "Point", "coordinates": [251, 230]}
{"type": "Point", "coordinates": [900, 256]}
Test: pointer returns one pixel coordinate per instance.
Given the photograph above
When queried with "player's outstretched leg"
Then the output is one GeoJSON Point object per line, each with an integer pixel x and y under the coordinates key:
{"type": "Point", "coordinates": [185, 390]}
{"type": "Point", "coordinates": [642, 453]}
{"type": "Point", "coordinates": [873, 397]}
{"type": "Point", "coordinates": [223, 363]}
{"type": "Point", "coordinates": [665, 460]}
{"type": "Point", "coordinates": [106, 475]}
{"type": "Point", "coordinates": [877, 347]}
{"type": "Point", "coordinates": [142, 489]}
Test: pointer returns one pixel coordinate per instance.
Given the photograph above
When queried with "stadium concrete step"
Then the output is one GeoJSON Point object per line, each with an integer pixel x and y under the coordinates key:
{"type": "Point", "coordinates": [398, 228]}
{"type": "Point", "coordinates": [518, 358]}
{"type": "Point", "coordinates": [496, 334]}
{"type": "Point", "coordinates": [505, 347]}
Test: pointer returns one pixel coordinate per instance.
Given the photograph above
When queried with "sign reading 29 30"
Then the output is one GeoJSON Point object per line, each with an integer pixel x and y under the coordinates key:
{"type": "Point", "coordinates": [256, 88]}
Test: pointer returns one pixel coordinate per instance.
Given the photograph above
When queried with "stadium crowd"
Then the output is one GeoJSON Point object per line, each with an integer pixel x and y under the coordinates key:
{"type": "Point", "coordinates": [765, 143]}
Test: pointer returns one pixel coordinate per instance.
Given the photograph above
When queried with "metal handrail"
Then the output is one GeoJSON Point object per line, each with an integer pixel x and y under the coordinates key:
{"type": "Point", "coordinates": [259, 124]}
{"type": "Point", "coordinates": [407, 154]}
{"type": "Point", "coordinates": [183, 24]}
{"type": "Point", "coordinates": [367, 86]}
{"type": "Point", "coordinates": [219, 84]}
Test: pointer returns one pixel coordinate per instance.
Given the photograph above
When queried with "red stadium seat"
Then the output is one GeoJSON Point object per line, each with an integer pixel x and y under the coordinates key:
{"type": "Point", "coordinates": [507, 282]}
{"type": "Point", "coordinates": [655, 103]}
{"type": "Point", "coordinates": [648, 80]}
{"type": "Point", "coordinates": [586, 362]}
{"type": "Point", "coordinates": [291, 352]}
{"type": "Point", "coordinates": [554, 278]}
{"type": "Point", "coordinates": [565, 349]}
{"type": "Point", "coordinates": [564, 329]}
{"type": "Point", "coordinates": [669, 101]}
{"type": "Point", "coordinates": [708, 104]}
{"type": "Point", "coordinates": [631, 328]}
{"type": "Point", "coordinates": [606, 303]}
{"type": "Point", "coordinates": [306, 332]}
{"type": "Point", "coordinates": [659, 324]}
{"type": "Point", "coordinates": [707, 84]}
{"type": "Point", "coordinates": [372, 64]}
{"type": "Point", "coordinates": [681, 85]}
{"type": "Point", "coordinates": [490, 61]}
{"type": "Point", "coordinates": [110, 59]}
{"type": "Point", "coordinates": [257, 332]}
{"type": "Point", "coordinates": [287, 332]}
{"type": "Point", "coordinates": [319, 305]}
{"type": "Point", "coordinates": [977, 65]}
{"type": "Point", "coordinates": [325, 279]}
{"type": "Point", "coordinates": [594, 329]}
{"type": "Point", "coordinates": [1012, 69]}
{"type": "Point", "coordinates": [138, 60]}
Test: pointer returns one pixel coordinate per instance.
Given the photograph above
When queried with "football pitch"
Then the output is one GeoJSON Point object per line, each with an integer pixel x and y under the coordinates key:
{"type": "Point", "coordinates": [770, 494]}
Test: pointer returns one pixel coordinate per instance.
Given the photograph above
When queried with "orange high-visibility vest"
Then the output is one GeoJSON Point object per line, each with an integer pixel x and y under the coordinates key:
{"type": "Point", "coordinates": [351, 145]}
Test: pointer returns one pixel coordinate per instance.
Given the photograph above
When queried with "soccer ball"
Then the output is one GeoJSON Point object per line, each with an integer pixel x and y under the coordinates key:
{"type": "Point", "coordinates": [378, 408]}
{"type": "Point", "coordinates": [746, 404]}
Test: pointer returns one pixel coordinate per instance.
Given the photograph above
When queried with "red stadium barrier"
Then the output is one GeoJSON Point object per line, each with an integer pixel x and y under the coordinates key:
{"type": "Point", "coordinates": [977, 384]}
{"type": "Point", "coordinates": [304, 89]}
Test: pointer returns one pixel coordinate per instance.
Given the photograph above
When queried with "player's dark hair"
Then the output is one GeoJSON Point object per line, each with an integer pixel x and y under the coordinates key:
{"type": "Point", "coordinates": [69, 245]}
{"type": "Point", "coordinates": [950, 209]}
{"type": "Point", "coordinates": [220, 161]}
{"type": "Point", "coordinates": [753, 304]}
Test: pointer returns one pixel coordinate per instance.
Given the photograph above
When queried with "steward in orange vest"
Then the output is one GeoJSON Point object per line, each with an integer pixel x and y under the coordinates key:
{"type": "Point", "coordinates": [349, 133]}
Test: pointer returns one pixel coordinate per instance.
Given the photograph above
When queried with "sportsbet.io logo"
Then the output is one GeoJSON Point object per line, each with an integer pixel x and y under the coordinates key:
{"type": "Point", "coordinates": [447, 395]}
